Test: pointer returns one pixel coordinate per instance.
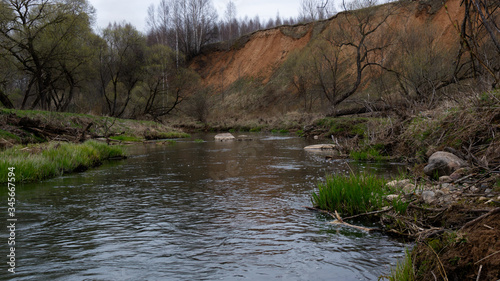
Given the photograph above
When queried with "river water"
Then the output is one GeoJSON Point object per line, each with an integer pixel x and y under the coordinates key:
{"type": "Point", "coordinates": [194, 211]}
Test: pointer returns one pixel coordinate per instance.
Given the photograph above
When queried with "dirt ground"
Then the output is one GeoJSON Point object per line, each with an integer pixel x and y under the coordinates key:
{"type": "Point", "coordinates": [471, 253]}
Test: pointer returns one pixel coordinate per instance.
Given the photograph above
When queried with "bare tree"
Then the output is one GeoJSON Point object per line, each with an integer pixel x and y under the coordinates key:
{"type": "Point", "coordinates": [486, 10]}
{"type": "Point", "coordinates": [426, 65]}
{"type": "Point", "coordinates": [158, 100]}
{"type": "Point", "coordinates": [278, 20]}
{"type": "Point", "coordinates": [187, 24]}
{"type": "Point", "coordinates": [6, 74]}
{"type": "Point", "coordinates": [298, 70]}
{"type": "Point", "coordinates": [480, 23]}
{"type": "Point", "coordinates": [256, 23]}
{"type": "Point", "coordinates": [348, 52]}
{"type": "Point", "coordinates": [270, 23]}
{"type": "Point", "coordinates": [159, 22]}
{"type": "Point", "coordinates": [311, 10]}
{"type": "Point", "coordinates": [232, 23]}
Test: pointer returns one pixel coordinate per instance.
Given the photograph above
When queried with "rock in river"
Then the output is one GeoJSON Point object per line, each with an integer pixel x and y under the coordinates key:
{"type": "Point", "coordinates": [224, 137]}
{"type": "Point", "coordinates": [321, 147]}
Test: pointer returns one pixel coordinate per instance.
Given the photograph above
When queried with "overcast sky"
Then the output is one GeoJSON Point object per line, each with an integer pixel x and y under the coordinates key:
{"type": "Point", "coordinates": [135, 11]}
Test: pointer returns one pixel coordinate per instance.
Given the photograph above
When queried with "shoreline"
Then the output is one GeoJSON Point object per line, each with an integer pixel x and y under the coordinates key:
{"type": "Point", "coordinates": [454, 225]}
{"type": "Point", "coordinates": [445, 227]}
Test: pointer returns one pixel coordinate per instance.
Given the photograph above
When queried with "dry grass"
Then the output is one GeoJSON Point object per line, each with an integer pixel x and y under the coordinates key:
{"type": "Point", "coordinates": [474, 130]}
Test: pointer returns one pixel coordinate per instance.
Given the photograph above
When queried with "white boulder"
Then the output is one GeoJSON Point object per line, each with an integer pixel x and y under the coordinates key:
{"type": "Point", "coordinates": [224, 137]}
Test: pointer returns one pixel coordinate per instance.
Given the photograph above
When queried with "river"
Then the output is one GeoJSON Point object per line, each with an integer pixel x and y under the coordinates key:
{"type": "Point", "coordinates": [194, 211]}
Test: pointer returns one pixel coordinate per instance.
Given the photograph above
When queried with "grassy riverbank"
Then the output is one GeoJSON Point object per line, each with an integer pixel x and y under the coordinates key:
{"type": "Point", "coordinates": [456, 233]}
{"type": "Point", "coordinates": [43, 161]}
{"type": "Point", "coordinates": [36, 126]}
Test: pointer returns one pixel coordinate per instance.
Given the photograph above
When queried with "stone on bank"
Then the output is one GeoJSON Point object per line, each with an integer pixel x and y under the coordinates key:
{"type": "Point", "coordinates": [443, 163]}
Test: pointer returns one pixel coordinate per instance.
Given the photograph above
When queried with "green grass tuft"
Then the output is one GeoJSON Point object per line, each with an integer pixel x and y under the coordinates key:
{"type": "Point", "coordinates": [400, 206]}
{"type": "Point", "coordinates": [350, 195]}
{"type": "Point", "coordinates": [404, 269]}
{"type": "Point", "coordinates": [39, 162]}
{"type": "Point", "coordinates": [369, 153]}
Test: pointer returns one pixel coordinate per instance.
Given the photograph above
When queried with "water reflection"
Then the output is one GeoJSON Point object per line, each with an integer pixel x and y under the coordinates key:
{"type": "Point", "coordinates": [194, 211]}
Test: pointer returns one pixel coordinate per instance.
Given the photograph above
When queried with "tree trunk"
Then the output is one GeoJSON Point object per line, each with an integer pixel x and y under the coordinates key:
{"type": "Point", "coordinates": [4, 99]}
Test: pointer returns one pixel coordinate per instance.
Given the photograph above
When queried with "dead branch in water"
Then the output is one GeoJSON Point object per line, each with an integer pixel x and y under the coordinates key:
{"type": "Point", "coordinates": [341, 222]}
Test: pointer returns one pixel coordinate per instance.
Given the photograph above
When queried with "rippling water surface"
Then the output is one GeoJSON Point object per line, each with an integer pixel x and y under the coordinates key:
{"type": "Point", "coordinates": [194, 211]}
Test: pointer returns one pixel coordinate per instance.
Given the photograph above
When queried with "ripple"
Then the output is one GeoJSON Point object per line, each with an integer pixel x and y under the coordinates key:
{"type": "Point", "coordinates": [160, 216]}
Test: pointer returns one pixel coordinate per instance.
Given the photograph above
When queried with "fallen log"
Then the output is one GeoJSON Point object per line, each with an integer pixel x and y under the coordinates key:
{"type": "Point", "coordinates": [360, 110]}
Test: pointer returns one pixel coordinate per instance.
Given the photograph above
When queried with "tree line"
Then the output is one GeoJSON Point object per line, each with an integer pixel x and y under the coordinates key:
{"type": "Point", "coordinates": [187, 25]}
{"type": "Point", "coordinates": [52, 59]}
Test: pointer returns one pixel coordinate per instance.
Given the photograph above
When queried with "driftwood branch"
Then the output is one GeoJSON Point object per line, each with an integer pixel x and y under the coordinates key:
{"type": "Point", "coordinates": [340, 221]}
